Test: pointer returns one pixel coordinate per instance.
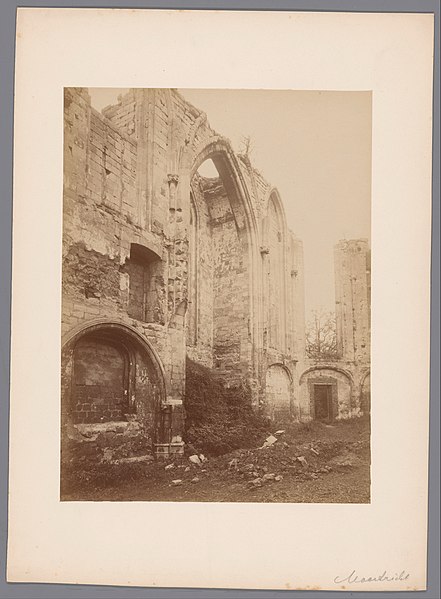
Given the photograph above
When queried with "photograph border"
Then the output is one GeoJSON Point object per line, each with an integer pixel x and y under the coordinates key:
{"type": "Point", "coordinates": [7, 38]}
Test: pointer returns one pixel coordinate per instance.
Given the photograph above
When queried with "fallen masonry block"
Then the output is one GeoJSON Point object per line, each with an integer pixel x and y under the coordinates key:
{"type": "Point", "coordinates": [195, 459]}
{"type": "Point", "coordinates": [280, 432]}
{"type": "Point", "coordinates": [257, 482]}
{"type": "Point", "coordinates": [177, 482]}
{"type": "Point", "coordinates": [233, 463]}
{"type": "Point", "coordinates": [107, 455]}
{"type": "Point", "coordinates": [269, 441]}
{"type": "Point", "coordinates": [195, 479]}
{"type": "Point", "coordinates": [302, 460]}
{"type": "Point", "coordinates": [135, 459]}
{"type": "Point", "coordinates": [268, 476]}
{"type": "Point", "coordinates": [278, 478]}
{"type": "Point", "coordinates": [169, 466]}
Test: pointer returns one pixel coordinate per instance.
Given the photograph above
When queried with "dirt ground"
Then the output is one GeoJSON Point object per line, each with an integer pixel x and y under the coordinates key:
{"type": "Point", "coordinates": [308, 463]}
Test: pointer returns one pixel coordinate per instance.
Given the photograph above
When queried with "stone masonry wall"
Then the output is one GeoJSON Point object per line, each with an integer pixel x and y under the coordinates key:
{"type": "Point", "coordinates": [352, 281]}
{"type": "Point", "coordinates": [130, 185]}
{"type": "Point", "coordinates": [350, 370]}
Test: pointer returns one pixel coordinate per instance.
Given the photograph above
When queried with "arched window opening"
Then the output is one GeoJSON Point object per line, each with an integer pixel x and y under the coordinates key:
{"type": "Point", "coordinates": [208, 169]}
{"type": "Point", "coordinates": [218, 265]}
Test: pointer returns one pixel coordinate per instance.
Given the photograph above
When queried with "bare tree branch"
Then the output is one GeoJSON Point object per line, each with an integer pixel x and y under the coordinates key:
{"type": "Point", "coordinates": [321, 337]}
{"type": "Point", "coordinates": [246, 146]}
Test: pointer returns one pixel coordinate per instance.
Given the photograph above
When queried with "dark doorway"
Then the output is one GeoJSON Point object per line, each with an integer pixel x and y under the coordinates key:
{"type": "Point", "coordinates": [323, 402]}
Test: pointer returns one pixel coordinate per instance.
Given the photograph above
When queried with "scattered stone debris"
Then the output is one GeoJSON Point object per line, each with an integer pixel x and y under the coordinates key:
{"type": "Point", "coordinates": [135, 459]}
{"type": "Point", "coordinates": [202, 457]}
{"type": "Point", "coordinates": [73, 434]}
{"type": "Point", "coordinates": [269, 441]}
{"type": "Point", "coordinates": [256, 482]}
{"type": "Point", "coordinates": [107, 455]}
{"type": "Point", "coordinates": [253, 470]}
{"type": "Point", "coordinates": [281, 432]}
{"type": "Point", "coordinates": [345, 459]}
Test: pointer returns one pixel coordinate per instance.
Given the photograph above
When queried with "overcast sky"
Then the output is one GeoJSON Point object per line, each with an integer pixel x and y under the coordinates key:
{"type": "Point", "coordinates": [315, 147]}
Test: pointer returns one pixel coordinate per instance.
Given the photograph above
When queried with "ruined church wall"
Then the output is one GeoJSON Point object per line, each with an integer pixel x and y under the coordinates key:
{"type": "Point", "coordinates": [129, 177]}
{"type": "Point", "coordinates": [350, 369]}
{"type": "Point", "coordinates": [102, 218]}
{"type": "Point", "coordinates": [352, 384]}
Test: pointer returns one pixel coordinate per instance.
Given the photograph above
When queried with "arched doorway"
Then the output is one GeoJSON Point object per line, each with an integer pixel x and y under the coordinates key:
{"type": "Point", "coordinates": [278, 393]}
{"type": "Point", "coordinates": [326, 393]}
{"type": "Point", "coordinates": [111, 374]}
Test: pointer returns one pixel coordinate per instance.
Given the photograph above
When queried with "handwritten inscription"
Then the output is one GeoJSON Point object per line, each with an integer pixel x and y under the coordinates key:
{"type": "Point", "coordinates": [383, 577]}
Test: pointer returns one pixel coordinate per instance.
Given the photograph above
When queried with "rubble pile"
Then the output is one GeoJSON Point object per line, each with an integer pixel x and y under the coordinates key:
{"type": "Point", "coordinates": [270, 463]}
{"type": "Point", "coordinates": [281, 462]}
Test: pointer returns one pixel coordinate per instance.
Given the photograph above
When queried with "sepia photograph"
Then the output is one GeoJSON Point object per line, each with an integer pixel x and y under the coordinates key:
{"type": "Point", "coordinates": [216, 285]}
{"type": "Point", "coordinates": [215, 245]}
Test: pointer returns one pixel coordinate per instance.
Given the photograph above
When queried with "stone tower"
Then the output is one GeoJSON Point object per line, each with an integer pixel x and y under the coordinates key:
{"type": "Point", "coordinates": [353, 299]}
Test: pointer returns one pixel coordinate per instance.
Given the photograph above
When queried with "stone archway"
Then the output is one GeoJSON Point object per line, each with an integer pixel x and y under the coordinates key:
{"type": "Point", "coordinates": [326, 393]}
{"type": "Point", "coordinates": [278, 393]}
{"type": "Point", "coordinates": [111, 374]}
{"type": "Point", "coordinates": [221, 330]}
{"type": "Point", "coordinates": [365, 394]}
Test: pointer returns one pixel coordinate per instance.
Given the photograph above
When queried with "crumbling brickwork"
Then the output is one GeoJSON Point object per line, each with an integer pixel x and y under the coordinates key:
{"type": "Point", "coordinates": [160, 263]}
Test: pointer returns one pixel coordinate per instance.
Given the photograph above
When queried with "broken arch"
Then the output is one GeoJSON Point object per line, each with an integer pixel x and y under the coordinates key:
{"type": "Point", "coordinates": [222, 236]}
